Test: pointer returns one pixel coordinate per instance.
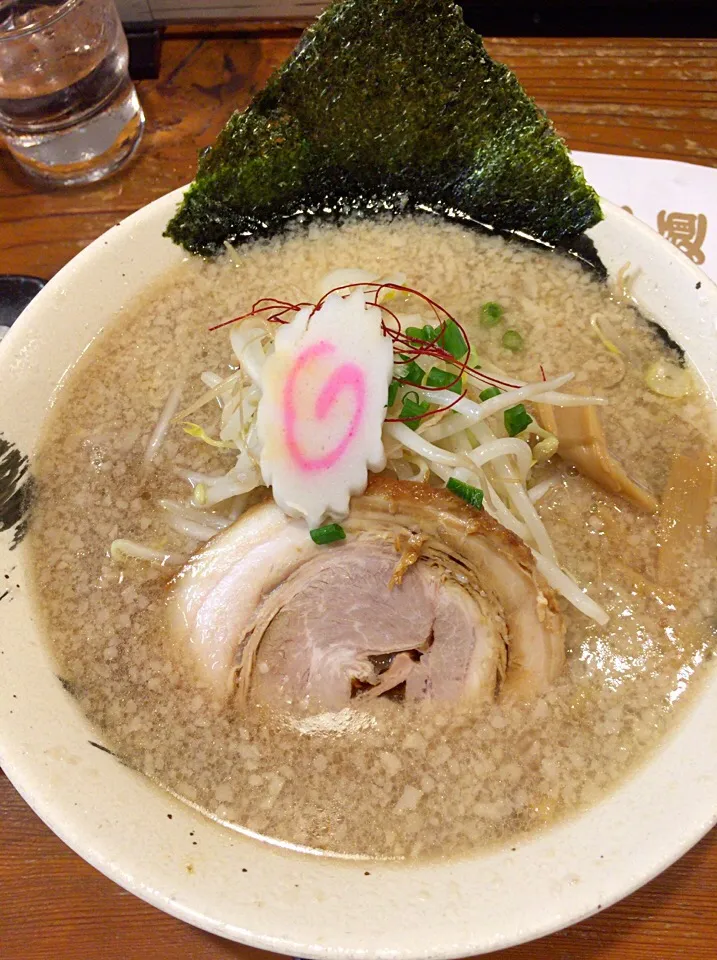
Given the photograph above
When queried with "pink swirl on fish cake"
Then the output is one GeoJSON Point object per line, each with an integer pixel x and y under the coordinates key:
{"type": "Point", "coordinates": [349, 376]}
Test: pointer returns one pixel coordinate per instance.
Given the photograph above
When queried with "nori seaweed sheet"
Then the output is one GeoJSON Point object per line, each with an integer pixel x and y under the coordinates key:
{"type": "Point", "coordinates": [387, 105]}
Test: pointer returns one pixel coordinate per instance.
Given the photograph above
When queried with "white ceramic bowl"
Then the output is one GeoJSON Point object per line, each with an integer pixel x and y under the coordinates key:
{"type": "Point", "coordinates": [301, 905]}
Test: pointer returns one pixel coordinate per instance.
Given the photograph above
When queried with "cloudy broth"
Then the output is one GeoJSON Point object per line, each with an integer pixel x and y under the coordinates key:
{"type": "Point", "coordinates": [390, 779]}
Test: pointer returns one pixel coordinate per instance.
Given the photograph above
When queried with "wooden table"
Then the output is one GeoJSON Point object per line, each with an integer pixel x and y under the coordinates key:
{"type": "Point", "coordinates": [649, 97]}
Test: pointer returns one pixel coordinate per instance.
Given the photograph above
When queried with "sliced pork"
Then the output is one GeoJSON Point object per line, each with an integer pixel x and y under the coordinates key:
{"type": "Point", "coordinates": [427, 598]}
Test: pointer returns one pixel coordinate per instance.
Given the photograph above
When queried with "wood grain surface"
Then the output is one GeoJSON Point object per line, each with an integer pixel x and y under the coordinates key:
{"type": "Point", "coordinates": [650, 97]}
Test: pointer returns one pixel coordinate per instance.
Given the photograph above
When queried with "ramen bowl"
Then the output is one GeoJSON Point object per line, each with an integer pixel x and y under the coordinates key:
{"type": "Point", "coordinates": [177, 859]}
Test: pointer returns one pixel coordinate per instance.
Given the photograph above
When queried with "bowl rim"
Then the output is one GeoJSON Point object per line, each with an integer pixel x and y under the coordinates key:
{"type": "Point", "coordinates": [70, 829]}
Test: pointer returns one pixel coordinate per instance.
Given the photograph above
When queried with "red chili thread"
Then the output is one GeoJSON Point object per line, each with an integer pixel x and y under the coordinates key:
{"type": "Point", "coordinates": [404, 345]}
{"type": "Point", "coordinates": [270, 303]}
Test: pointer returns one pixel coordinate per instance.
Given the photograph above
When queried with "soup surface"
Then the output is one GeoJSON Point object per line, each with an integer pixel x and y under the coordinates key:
{"type": "Point", "coordinates": [387, 779]}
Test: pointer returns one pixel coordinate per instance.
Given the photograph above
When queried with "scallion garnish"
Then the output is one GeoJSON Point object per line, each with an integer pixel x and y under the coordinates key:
{"type": "Point", "coordinates": [489, 393]}
{"type": "Point", "coordinates": [516, 419]}
{"type": "Point", "coordinates": [412, 411]}
{"type": "Point", "coordinates": [453, 341]}
{"type": "Point", "coordinates": [328, 534]}
{"type": "Point", "coordinates": [472, 495]}
{"type": "Point", "coordinates": [443, 378]}
{"type": "Point", "coordinates": [392, 392]}
{"type": "Point", "coordinates": [413, 374]}
{"type": "Point", "coordinates": [512, 340]}
{"type": "Point", "coordinates": [491, 314]}
{"type": "Point", "coordinates": [416, 333]}
{"type": "Point", "coordinates": [426, 333]}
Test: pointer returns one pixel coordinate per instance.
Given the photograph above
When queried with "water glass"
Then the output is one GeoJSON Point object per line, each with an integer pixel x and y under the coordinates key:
{"type": "Point", "coordinates": [69, 112]}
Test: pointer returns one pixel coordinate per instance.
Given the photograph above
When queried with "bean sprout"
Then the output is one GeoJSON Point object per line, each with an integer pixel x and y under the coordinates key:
{"type": "Point", "coordinates": [192, 529]}
{"type": "Point", "coordinates": [565, 585]}
{"type": "Point", "coordinates": [537, 492]}
{"type": "Point", "coordinates": [414, 441]}
{"type": "Point", "coordinates": [186, 512]}
{"type": "Point", "coordinates": [128, 549]}
{"type": "Point", "coordinates": [456, 436]}
{"type": "Point", "coordinates": [217, 386]}
{"type": "Point", "coordinates": [471, 412]}
{"type": "Point", "coordinates": [500, 448]}
{"type": "Point", "coordinates": [160, 431]}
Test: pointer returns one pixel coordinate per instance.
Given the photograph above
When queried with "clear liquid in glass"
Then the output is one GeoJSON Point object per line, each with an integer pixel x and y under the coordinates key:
{"type": "Point", "coordinates": [68, 109]}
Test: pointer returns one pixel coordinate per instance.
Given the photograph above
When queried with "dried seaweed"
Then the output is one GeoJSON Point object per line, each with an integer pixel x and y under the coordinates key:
{"type": "Point", "coordinates": [387, 105]}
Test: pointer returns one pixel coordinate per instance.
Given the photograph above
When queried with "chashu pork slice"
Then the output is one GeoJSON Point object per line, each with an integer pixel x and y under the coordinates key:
{"type": "Point", "coordinates": [426, 597]}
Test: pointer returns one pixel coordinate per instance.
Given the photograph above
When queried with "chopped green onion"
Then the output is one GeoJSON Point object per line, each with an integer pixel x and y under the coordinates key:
{"type": "Point", "coordinates": [512, 340]}
{"type": "Point", "coordinates": [413, 374]}
{"type": "Point", "coordinates": [416, 333]}
{"type": "Point", "coordinates": [668, 379]}
{"type": "Point", "coordinates": [328, 534]}
{"type": "Point", "coordinates": [491, 314]}
{"type": "Point", "coordinates": [426, 333]}
{"type": "Point", "coordinates": [489, 393]}
{"type": "Point", "coordinates": [444, 378]}
{"type": "Point", "coordinates": [392, 392]}
{"type": "Point", "coordinates": [453, 341]}
{"type": "Point", "coordinates": [516, 419]}
{"type": "Point", "coordinates": [472, 495]}
{"type": "Point", "coordinates": [412, 411]}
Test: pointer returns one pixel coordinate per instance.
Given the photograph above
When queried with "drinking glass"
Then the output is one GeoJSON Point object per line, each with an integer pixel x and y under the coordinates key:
{"type": "Point", "coordinates": [69, 112]}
